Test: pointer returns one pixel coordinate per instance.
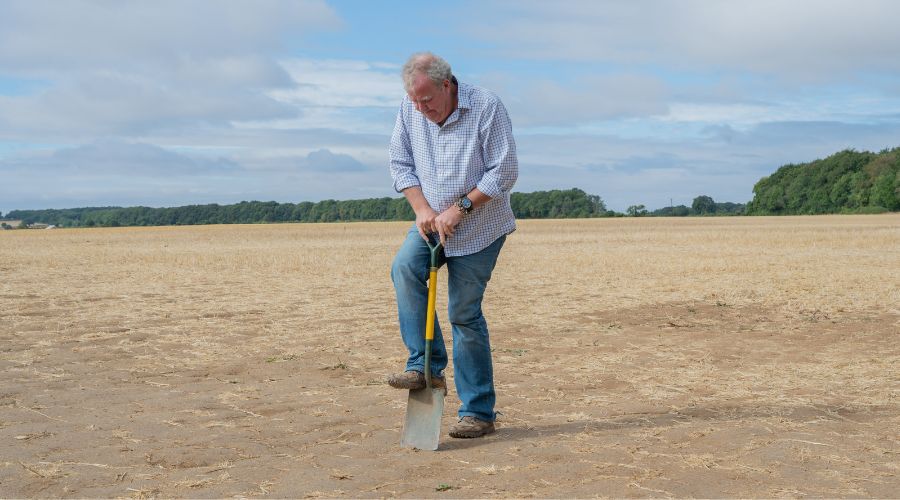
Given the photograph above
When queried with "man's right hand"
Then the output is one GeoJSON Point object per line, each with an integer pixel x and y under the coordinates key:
{"type": "Point", "coordinates": [425, 215]}
{"type": "Point", "coordinates": [425, 221]}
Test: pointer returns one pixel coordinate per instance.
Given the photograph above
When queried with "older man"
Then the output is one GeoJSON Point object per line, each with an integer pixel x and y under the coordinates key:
{"type": "Point", "coordinates": [453, 157]}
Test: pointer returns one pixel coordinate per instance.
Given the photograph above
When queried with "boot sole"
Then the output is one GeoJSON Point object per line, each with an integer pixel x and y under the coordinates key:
{"type": "Point", "coordinates": [435, 382]}
{"type": "Point", "coordinates": [412, 387]}
{"type": "Point", "coordinates": [472, 434]}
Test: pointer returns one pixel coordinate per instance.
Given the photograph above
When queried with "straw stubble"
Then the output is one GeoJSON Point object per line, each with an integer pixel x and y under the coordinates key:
{"type": "Point", "coordinates": [707, 357]}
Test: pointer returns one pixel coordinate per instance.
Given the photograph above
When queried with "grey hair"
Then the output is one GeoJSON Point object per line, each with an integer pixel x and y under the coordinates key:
{"type": "Point", "coordinates": [431, 65]}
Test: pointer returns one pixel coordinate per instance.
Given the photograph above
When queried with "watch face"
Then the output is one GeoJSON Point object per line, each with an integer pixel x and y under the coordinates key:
{"type": "Point", "coordinates": [466, 203]}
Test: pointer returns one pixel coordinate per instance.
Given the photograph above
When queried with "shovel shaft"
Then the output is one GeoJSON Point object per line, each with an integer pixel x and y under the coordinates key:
{"type": "Point", "coordinates": [429, 324]}
{"type": "Point", "coordinates": [428, 365]}
{"type": "Point", "coordinates": [432, 299]}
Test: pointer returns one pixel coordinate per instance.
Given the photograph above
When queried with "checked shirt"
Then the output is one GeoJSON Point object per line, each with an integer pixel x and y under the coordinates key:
{"type": "Point", "coordinates": [474, 148]}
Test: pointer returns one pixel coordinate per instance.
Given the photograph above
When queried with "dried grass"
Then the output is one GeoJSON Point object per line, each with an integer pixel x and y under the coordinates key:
{"type": "Point", "coordinates": [687, 357]}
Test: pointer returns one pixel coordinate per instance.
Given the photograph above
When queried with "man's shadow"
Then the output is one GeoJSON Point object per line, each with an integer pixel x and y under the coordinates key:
{"type": "Point", "coordinates": [671, 418]}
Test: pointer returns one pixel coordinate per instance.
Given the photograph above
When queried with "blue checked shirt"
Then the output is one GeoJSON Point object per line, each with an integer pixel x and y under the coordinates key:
{"type": "Point", "coordinates": [474, 148]}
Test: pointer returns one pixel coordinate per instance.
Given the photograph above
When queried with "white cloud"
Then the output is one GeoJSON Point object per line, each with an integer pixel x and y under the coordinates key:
{"type": "Point", "coordinates": [124, 158]}
{"type": "Point", "coordinates": [129, 105]}
{"type": "Point", "coordinates": [344, 83]}
{"type": "Point", "coordinates": [49, 37]}
{"type": "Point", "coordinates": [325, 160]}
{"type": "Point", "coordinates": [734, 114]}
{"type": "Point", "coordinates": [318, 161]}
{"type": "Point", "coordinates": [118, 158]}
{"type": "Point", "coordinates": [121, 173]}
{"type": "Point", "coordinates": [820, 39]}
{"type": "Point", "coordinates": [723, 163]}
{"type": "Point", "coordinates": [128, 69]}
{"type": "Point", "coordinates": [548, 103]}
{"type": "Point", "coordinates": [348, 95]}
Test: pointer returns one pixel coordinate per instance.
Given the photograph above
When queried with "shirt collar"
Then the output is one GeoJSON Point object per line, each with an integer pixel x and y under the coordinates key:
{"type": "Point", "coordinates": [462, 94]}
{"type": "Point", "coordinates": [462, 101]}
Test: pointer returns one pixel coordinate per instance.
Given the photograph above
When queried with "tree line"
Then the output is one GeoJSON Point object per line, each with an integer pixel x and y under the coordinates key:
{"type": "Point", "coordinates": [846, 182]}
{"type": "Point", "coordinates": [568, 203]}
{"type": "Point", "coordinates": [702, 205]}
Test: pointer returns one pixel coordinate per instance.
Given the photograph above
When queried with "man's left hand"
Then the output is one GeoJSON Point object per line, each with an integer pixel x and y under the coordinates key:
{"type": "Point", "coordinates": [445, 223]}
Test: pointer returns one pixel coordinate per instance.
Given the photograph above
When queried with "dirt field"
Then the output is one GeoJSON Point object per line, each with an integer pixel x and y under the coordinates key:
{"type": "Point", "coordinates": [702, 357]}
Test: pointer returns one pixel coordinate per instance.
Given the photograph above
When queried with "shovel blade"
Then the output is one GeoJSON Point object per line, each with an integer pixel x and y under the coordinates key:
{"type": "Point", "coordinates": [422, 427]}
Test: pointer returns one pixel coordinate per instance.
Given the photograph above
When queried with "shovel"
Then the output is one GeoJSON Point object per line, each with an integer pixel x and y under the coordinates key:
{"type": "Point", "coordinates": [424, 408]}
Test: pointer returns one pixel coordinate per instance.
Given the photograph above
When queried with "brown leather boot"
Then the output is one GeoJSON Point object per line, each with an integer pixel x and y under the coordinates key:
{"type": "Point", "coordinates": [414, 380]}
{"type": "Point", "coordinates": [471, 427]}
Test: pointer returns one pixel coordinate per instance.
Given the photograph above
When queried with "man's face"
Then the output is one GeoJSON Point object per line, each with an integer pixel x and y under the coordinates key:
{"type": "Point", "coordinates": [433, 101]}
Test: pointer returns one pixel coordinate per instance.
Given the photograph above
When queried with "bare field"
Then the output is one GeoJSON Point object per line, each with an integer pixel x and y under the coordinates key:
{"type": "Point", "coordinates": [702, 357]}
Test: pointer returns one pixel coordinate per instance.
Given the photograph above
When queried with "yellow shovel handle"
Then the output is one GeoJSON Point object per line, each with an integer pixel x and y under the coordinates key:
{"type": "Point", "coordinates": [432, 299]}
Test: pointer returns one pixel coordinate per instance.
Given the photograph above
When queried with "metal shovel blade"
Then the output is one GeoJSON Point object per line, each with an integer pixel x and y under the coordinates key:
{"type": "Point", "coordinates": [422, 426]}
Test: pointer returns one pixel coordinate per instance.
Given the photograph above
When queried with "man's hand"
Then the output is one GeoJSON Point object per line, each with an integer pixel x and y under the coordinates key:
{"type": "Point", "coordinates": [428, 221]}
{"type": "Point", "coordinates": [445, 223]}
{"type": "Point", "coordinates": [425, 215]}
{"type": "Point", "coordinates": [425, 218]}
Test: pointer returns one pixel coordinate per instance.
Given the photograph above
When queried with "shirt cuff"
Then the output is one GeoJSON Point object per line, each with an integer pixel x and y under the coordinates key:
{"type": "Point", "coordinates": [405, 183]}
{"type": "Point", "coordinates": [489, 188]}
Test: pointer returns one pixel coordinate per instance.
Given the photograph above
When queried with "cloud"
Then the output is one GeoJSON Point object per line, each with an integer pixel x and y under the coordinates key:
{"type": "Point", "coordinates": [129, 106]}
{"type": "Point", "coordinates": [325, 160]}
{"type": "Point", "coordinates": [131, 159]}
{"type": "Point", "coordinates": [724, 133]}
{"type": "Point", "coordinates": [139, 159]}
{"type": "Point", "coordinates": [722, 162]}
{"type": "Point", "coordinates": [545, 102]}
{"type": "Point", "coordinates": [190, 96]}
{"type": "Point", "coordinates": [350, 95]}
{"type": "Point", "coordinates": [112, 172]}
{"type": "Point", "coordinates": [43, 36]}
{"type": "Point", "coordinates": [128, 69]}
{"type": "Point", "coordinates": [119, 158]}
{"type": "Point", "coordinates": [807, 140]}
{"type": "Point", "coordinates": [646, 171]}
{"type": "Point", "coordinates": [342, 83]}
{"type": "Point", "coordinates": [805, 39]}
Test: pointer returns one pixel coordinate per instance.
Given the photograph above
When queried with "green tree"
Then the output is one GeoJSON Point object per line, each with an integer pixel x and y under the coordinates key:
{"type": "Point", "coordinates": [636, 211]}
{"type": "Point", "coordinates": [703, 205]}
{"type": "Point", "coordinates": [730, 208]}
{"type": "Point", "coordinates": [847, 181]}
{"type": "Point", "coordinates": [681, 211]}
{"type": "Point", "coordinates": [557, 204]}
{"type": "Point", "coordinates": [886, 190]}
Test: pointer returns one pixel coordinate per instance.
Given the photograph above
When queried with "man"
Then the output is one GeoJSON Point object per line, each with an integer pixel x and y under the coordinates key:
{"type": "Point", "coordinates": [453, 157]}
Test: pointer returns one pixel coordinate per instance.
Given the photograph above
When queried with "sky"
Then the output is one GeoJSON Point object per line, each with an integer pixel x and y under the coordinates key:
{"type": "Point", "coordinates": [177, 102]}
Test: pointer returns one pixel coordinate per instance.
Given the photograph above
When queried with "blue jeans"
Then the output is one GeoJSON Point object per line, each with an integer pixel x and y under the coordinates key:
{"type": "Point", "coordinates": [468, 276]}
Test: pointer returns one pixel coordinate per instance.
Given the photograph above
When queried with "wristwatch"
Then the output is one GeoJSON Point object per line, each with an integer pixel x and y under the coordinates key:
{"type": "Point", "coordinates": [464, 205]}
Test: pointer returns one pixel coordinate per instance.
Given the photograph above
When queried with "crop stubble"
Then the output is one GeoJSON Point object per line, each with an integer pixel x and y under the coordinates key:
{"type": "Point", "coordinates": [633, 357]}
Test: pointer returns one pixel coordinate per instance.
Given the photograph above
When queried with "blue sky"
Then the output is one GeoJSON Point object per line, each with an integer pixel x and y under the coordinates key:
{"type": "Point", "coordinates": [177, 102]}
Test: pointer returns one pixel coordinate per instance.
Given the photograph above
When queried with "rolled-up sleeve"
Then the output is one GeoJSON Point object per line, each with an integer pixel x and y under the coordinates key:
{"type": "Point", "coordinates": [499, 149]}
{"type": "Point", "coordinates": [403, 168]}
